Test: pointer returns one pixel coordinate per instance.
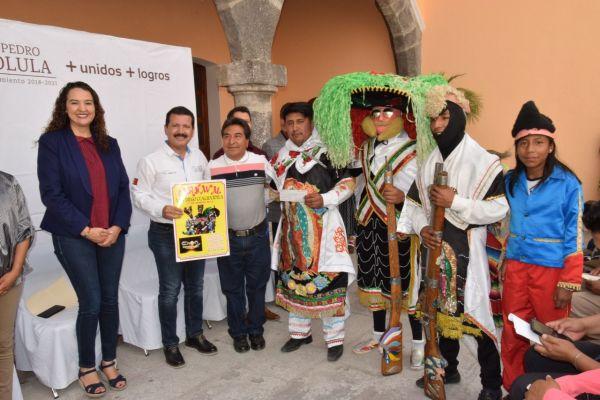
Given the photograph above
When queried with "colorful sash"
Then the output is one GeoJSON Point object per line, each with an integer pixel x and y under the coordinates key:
{"type": "Point", "coordinates": [374, 201]}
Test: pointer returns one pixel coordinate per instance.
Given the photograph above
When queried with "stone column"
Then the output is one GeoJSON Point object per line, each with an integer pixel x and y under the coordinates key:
{"type": "Point", "coordinates": [251, 78]}
{"type": "Point", "coordinates": [405, 25]}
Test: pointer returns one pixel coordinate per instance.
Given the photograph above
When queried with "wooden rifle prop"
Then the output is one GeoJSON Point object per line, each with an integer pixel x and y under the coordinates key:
{"type": "Point", "coordinates": [434, 362]}
{"type": "Point", "coordinates": [391, 341]}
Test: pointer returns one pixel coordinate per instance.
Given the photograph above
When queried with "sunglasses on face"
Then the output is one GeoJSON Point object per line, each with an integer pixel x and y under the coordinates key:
{"type": "Point", "coordinates": [387, 112]}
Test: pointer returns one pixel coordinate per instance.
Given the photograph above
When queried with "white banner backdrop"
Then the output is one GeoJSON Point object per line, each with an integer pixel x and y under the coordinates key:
{"type": "Point", "coordinates": [137, 82]}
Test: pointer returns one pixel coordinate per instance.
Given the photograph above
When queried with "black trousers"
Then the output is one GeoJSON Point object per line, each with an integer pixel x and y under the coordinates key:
{"type": "Point", "coordinates": [537, 367]}
{"type": "Point", "coordinates": [487, 355]}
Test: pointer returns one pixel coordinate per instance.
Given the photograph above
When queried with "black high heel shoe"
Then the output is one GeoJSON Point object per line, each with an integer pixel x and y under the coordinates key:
{"type": "Point", "coordinates": [115, 381]}
{"type": "Point", "coordinates": [90, 390]}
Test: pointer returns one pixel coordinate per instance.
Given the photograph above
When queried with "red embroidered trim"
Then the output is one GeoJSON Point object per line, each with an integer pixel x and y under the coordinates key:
{"type": "Point", "coordinates": [340, 241]}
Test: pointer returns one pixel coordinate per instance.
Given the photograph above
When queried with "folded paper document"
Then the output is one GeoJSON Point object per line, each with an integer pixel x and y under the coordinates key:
{"type": "Point", "coordinates": [292, 195]}
{"type": "Point", "coordinates": [60, 292]}
{"type": "Point", "coordinates": [590, 277]}
{"type": "Point", "coordinates": [523, 328]}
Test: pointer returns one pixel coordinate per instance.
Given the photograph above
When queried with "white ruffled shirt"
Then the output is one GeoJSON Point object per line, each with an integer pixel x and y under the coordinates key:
{"type": "Point", "coordinates": [330, 260]}
{"type": "Point", "coordinates": [471, 171]}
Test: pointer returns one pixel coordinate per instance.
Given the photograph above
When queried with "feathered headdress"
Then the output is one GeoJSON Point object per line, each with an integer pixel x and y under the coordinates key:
{"type": "Point", "coordinates": [467, 99]}
{"type": "Point", "coordinates": [342, 93]}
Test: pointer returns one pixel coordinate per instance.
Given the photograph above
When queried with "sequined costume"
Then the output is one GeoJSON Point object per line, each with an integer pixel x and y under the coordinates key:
{"type": "Point", "coordinates": [310, 248]}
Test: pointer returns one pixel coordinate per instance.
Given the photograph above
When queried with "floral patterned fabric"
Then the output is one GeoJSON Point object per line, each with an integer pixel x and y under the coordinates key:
{"type": "Point", "coordinates": [302, 288]}
{"type": "Point", "coordinates": [302, 228]}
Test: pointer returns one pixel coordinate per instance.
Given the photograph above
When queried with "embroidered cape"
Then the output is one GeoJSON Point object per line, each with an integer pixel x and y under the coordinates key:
{"type": "Point", "coordinates": [310, 248]}
{"type": "Point", "coordinates": [476, 175]}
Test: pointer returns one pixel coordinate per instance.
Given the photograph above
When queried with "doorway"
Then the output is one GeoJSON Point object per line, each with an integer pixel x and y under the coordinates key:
{"type": "Point", "coordinates": [202, 121]}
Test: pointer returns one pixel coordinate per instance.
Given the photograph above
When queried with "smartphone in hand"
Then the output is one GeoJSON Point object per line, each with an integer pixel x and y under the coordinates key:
{"type": "Point", "coordinates": [543, 329]}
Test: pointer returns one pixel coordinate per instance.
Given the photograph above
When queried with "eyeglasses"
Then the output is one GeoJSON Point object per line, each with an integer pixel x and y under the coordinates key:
{"type": "Point", "coordinates": [387, 112]}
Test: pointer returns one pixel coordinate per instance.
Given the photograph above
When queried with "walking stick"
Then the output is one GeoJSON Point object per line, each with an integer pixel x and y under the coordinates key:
{"type": "Point", "coordinates": [434, 362]}
{"type": "Point", "coordinates": [391, 341]}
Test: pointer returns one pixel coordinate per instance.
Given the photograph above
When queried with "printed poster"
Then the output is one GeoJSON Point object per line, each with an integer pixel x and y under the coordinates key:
{"type": "Point", "coordinates": [202, 230]}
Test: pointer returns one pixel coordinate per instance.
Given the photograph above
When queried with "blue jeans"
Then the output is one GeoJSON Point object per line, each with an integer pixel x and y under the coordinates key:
{"type": "Point", "coordinates": [171, 274]}
{"type": "Point", "coordinates": [249, 261]}
{"type": "Point", "coordinates": [94, 272]}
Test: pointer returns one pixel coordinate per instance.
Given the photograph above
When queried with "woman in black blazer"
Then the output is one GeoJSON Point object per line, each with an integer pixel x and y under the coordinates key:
{"type": "Point", "coordinates": [84, 186]}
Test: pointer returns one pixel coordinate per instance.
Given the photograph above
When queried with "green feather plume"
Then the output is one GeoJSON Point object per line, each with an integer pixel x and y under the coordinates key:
{"type": "Point", "coordinates": [332, 109]}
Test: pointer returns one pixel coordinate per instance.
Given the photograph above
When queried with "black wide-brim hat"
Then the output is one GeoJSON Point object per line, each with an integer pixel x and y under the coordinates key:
{"type": "Point", "coordinates": [379, 97]}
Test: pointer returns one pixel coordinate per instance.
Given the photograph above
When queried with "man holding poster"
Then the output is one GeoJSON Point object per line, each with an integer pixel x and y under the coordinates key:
{"type": "Point", "coordinates": [173, 162]}
{"type": "Point", "coordinates": [247, 175]}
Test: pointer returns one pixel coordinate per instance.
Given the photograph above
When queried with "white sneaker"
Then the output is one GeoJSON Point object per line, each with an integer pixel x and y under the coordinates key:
{"type": "Point", "coordinates": [417, 355]}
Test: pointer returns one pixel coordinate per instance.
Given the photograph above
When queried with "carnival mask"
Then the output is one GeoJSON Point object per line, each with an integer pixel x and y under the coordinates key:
{"type": "Point", "coordinates": [383, 123]}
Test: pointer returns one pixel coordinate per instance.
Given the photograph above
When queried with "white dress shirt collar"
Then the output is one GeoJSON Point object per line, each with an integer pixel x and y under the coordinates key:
{"type": "Point", "coordinates": [169, 150]}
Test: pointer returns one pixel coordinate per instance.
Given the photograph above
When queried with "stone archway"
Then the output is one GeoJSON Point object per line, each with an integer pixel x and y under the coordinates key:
{"type": "Point", "coordinates": [251, 77]}
{"type": "Point", "coordinates": [405, 25]}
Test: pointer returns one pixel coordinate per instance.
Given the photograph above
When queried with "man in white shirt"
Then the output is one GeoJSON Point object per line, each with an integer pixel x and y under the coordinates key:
{"type": "Point", "coordinates": [246, 269]}
{"type": "Point", "coordinates": [173, 162]}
